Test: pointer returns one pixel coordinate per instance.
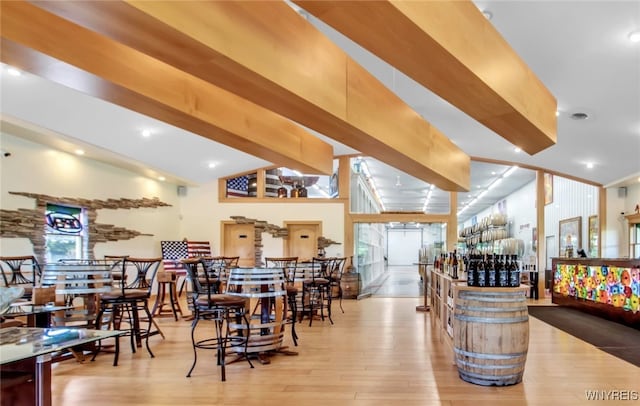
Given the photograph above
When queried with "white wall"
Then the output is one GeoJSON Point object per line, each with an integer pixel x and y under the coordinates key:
{"type": "Point", "coordinates": [197, 216]}
{"type": "Point", "coordinates": [39, 169]}
{"type": "Point", "coordinates": [403, 246]}
{"type": "Point", "coordinates": [616, 238]}
{"type": "Point", "coordinates": [202, 216]}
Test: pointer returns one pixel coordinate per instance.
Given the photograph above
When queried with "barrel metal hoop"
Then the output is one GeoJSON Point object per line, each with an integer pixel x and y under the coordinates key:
{"type": "Point", "coordinates": [514, 299]}
{"type": "Point", "coordinates": [489, 356]}
{"type": "Point", "coordinates": [492, 309]}
{"type": "Point", "coordinates": [490, 367]}
{"type": "Point", "coordinates": [488, 378]}
{"type": "Point", "coordinates": [490, 320]}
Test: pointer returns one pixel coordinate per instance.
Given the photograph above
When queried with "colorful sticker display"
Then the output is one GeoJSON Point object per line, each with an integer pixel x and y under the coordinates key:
{"type": "Point", "coordinates": [612, 285]}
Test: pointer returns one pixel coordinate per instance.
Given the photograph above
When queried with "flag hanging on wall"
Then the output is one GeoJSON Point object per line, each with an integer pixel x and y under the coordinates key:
{"type": "Point", "coordinates": [238, 187]}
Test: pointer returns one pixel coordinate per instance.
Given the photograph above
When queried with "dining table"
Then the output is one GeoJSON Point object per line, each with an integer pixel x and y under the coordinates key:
{"type": "Point", "coordinates": [27, 352]}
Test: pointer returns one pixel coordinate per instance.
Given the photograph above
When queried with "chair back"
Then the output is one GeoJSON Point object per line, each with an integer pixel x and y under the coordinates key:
{"type": "Point", "coordinates": [231, 262]}
{"type": "Point", "coordinates": [287, 264]}
{"type": "Point", "coordinates": [141, 271]}
{"type": "Point", "coordinates": [202, 274]}
{"type": "Point", "coordinates": [321, 267]}
{"type": "Point", "coordinates": [337, 269]}
{"type": "Point", "coordinates": [14, 270]}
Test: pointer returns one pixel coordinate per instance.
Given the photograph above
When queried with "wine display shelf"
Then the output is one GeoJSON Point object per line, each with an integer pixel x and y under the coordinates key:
{"type": "Point", "coordinates": [442, 302]}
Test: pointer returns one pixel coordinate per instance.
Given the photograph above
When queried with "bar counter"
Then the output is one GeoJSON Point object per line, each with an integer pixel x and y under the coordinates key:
{"type": "Point", "coordinates": [606, 287]}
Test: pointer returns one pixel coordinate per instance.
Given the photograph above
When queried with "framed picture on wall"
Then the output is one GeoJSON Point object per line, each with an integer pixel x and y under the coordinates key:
{"type": "Point", "coordinates": [548, 188]}
{"type": "Point", "coordinates": [570, 237]}
{"type": "Point", "coordinates": [593, 236]}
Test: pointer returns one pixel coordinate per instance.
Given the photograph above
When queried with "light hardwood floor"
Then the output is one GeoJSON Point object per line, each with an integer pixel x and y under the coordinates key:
{"type": "Point", "coordinates": [379, 352]}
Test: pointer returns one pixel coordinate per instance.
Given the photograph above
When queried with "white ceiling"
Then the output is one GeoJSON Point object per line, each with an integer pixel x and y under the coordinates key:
{"type": "Point", "coordinates": [579, 49]}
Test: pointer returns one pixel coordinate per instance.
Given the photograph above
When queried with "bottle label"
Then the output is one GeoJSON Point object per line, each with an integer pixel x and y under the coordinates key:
{"type": "Point", "coordinates": [503, 278]}
{"type": "Point", "coordinates": [492, 278]}
{"type": "Point", "coordinates": [481, 282]}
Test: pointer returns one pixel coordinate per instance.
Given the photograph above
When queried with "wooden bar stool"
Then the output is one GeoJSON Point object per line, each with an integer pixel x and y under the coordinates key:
{"type": "Point", "coordinates": [167, 281]}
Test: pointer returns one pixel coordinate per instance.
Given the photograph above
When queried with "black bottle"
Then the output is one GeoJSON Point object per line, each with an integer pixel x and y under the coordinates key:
{"type": "Point", "coordinates": [472, 271]}
{"type": "Point", "coordinates": [491, 272]}
{"type": "Point", "coordinates": [481, 280]}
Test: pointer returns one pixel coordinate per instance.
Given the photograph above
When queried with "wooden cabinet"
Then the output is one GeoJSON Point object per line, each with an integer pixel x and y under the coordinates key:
{"type": "Point", "coordinates": [634, 235]}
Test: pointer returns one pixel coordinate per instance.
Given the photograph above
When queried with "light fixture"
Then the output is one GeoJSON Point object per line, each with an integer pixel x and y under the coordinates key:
{"type": "Point", "coordinates": [162, 178]}
{"type": "Point", "coordinates": [487, 14]}
{"type": "Point", "coordinates": [510, 171]}
{"type": "Point", "coordinates": [557, 113]}
{"type": "Point", "coordinates": [146, 133]}
{"type": "Point", "coordinates": [517, 150]}
{"type": "Point", "coordinates": [398, 184]}
{"type": "Point", "coordinates": [79, 152]}
{"type": "Point", "coordinates": [212, 165]}
{"type": "Point", "coordinates": [13, 71]}
{"type": "Point", "coordinates": [579, 116]}
{"type": "Point", "coordinates": [634, 36]}
{"type": "Point", "coordinates": [589, 165]}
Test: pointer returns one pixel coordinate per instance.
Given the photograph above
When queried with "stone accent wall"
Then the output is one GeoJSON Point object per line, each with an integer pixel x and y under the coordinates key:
{"type": "Point", "coordinates": [27, 223]}
{"type": "Point", "coordinates": [260, 227]}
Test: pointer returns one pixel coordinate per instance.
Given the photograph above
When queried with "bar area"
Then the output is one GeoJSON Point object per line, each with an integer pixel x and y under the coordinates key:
{"type": "Point", "coordinates": [607, 287]}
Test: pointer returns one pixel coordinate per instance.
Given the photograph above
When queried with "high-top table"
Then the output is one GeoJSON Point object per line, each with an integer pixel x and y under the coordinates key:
{"type": "Point", "coordinates": [27, 351]}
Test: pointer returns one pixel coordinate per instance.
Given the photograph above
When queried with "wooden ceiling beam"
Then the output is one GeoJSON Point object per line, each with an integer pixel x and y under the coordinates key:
{"type": "Point", "coordinates": [453, 50]}
{"type": "Point", "coordinates": [267, 53]}
{"type": "Point", "coordinates": [35, 40]}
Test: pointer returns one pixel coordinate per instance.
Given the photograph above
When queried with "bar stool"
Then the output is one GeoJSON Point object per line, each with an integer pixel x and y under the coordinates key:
{"type": "Point", "coordinates": [226, 311]}
{"type": "Point", "coordinates": [167, 280]}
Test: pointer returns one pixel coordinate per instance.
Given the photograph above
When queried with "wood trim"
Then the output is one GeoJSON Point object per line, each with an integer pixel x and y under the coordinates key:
{"type": "Point", "coordinates": [275, 200]}
{"type": "Point", "coordinates": [400, 217]}
{"type": "Point", "coordinates": [535, 168]}
{"type": "Point", "coordinates": [542, 247]}
{"type": "Point", "coordinates": [452, 223]}
{"type": "Point", "coordinates": [602, 216]}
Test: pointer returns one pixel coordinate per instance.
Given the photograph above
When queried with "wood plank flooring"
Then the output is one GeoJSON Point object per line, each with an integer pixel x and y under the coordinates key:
{"type": "Point", "coordinates": [379, 352]}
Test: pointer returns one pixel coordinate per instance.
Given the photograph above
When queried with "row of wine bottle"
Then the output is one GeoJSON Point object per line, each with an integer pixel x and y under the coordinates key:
{"type": "Point", "coordinates": [493, 271]}
{"type": "Point", "coordinates": [486, 270]}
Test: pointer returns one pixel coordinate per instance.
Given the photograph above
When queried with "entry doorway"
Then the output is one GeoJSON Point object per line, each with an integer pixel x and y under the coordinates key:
{"type": "Point", "coordinates": [238, 240]}
{"type": "Point", "coordinates": [302, 241]}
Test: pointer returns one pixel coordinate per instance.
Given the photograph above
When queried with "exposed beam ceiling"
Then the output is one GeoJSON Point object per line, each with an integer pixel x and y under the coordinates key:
{"type": "Point", "coordinates": [32, 38]}
{"type": "Point", "coordinates": [261, 51]}
{"type": "Point", "coordinates": [453, 50]}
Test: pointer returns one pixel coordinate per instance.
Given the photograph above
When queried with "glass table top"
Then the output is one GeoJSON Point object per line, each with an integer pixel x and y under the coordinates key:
{"type": "Point", "coordinates": [19, 343]}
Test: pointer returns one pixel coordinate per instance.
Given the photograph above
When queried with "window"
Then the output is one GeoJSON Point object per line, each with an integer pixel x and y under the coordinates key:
{"type": "Point", "coordinates": [65, 232]}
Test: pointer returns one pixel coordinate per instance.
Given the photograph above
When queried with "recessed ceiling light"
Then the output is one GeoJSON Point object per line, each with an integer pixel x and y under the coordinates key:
{"type": "Point", "coordinates": [590, 165]}
{"type": "Point", "coordinates": [517, 150]}
{"type": "Point", "coordinates": [557, 113]}
{"type": "Point", "coordinates": [162, 178]}
{"type": "Point", "coordinates": [146, 133]}
{"type": "Point", "coordinates": [79, 152]}
{"type": "Point", "coordinates": [493, 172]}
{"type": "Point", "coordinates": [579, 116]}
{"type": "Point", "coordinates": [634, 36]}
{"type": "Point", "coordinates": [212, 165]}
{"type": "Point", "coordinates": [13, 72]}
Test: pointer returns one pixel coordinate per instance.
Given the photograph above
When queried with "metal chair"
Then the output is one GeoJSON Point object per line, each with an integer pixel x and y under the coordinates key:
{"type": "Point", "coordinates": [315, 290]}
{"type": "Point", "coordinates": [131, 298]}
{"type": "Point", "coordinates": [23, 271]}
{"type": "Point", "coordinates": [226, 311]}
{"type": "Point", "coordinates": [288, 266]}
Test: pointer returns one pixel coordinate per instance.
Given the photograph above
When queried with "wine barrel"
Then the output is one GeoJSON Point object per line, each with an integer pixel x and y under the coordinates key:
{"type": "Point", "coordinates": [266, 294]}
{"type": "Point", "coordinates": [491, 334]}
{"type": "Point", "coordinates": [350, 284]}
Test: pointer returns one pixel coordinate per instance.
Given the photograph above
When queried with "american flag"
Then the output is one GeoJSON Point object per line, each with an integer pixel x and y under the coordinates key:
{"type": "Point", "coordinates": [238, 187]}
{"type": "Point", "coordinates": [198, 249]}
{"type": "Point", "coordinates": [172, 253]}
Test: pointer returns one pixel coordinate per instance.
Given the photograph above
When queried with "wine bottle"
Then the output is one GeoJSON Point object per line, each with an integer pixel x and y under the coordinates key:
{"type": "Point", "coordinates": [472, 271]}
{"type": "Point", "coordinates": [454, 265]}
{"type": "Point", "coordinates": [481, 280]}
{"type": "Point", "coordinates": [501, 268]}
{"type": "Point", "coordinates": [491, 271]}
